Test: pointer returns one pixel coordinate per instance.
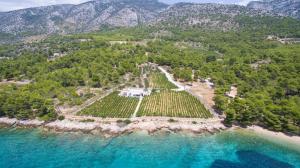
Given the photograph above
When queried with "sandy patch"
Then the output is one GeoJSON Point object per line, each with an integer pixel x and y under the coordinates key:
{"type": "Point", "coordinates": [203, 91]}
{"type": "Point", "coordinates": [275, 136]}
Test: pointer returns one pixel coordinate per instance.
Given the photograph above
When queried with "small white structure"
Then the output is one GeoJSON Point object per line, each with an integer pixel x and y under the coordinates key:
{"type": "Point", "coordinates": [272, 37]}
{"type": "Point", "coordinates": [117, 42]}
{"type": "Point", "coordinates": [233, 92]}
{"type": "Point", "coordinates": [56, 56]}
{"type": "Point", "coordinates": [85, 40]}
{"type": "Point", "coordinates": [209, 83]}
{"type": "Point", "coordinates": [135, 92]}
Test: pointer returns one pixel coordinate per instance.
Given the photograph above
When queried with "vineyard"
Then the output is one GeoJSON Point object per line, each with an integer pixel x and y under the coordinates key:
{"type": "Point", "coordinates": [160, 81]}
{"type": "Point", "coordinates": [113, 106]}
{"type": "Point", "coordinates": [173, 104]}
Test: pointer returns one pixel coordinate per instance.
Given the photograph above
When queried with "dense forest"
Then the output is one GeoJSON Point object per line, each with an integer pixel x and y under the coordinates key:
{"type": "Point", "coordinates": [266, 72]}
{"type": "Point", "coordinates": [99, 66]}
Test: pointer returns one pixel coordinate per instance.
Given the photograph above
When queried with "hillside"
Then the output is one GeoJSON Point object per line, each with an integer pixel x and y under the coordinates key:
{"type": "Point", "coordinates": [282, 7]}
{"type": "Point", "coordinates": [215, 16]}
{"type": "Point", "coordinates": [100, 14]}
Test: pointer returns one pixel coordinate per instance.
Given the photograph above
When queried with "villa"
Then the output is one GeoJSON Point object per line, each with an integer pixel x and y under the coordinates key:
{"type": "Point", "coordinates": [135, 92]}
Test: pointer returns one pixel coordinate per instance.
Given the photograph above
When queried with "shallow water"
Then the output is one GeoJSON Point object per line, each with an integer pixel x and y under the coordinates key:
{"type": "Point", "coordinates": [35, 148]}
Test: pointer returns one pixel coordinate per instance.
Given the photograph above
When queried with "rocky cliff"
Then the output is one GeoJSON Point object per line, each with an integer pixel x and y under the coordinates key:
{"type": "Point", "coordinates": [79, 18]}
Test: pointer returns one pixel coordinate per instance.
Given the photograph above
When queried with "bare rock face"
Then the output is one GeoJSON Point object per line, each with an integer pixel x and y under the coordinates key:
{"type": "Point", "coordinates": [79, 18]}
{"type": "Point", "coordinates": [33, 20]}
{"type": "Point", "coordinates": [282, 7]}
{"type": "Point", "coordinates": [126, 16]}
{"type": "Point", "coordinates": [93, 15]}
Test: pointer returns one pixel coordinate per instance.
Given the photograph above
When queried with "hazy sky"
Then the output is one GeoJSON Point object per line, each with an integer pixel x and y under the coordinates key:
{"type": "Point", "coordinates": [7, 5]}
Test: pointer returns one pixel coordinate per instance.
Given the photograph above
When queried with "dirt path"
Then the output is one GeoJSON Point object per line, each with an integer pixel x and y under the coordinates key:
{"type": "Point", "coordinates": [6, 82]}
{"type": "Point", "coordinates": [170, 79]}
{"type": "Point", "coordinates": [137, 107]}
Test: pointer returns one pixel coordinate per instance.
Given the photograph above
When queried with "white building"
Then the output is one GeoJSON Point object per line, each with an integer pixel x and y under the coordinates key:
{"type": "Point", "coordinates": [135, 92]}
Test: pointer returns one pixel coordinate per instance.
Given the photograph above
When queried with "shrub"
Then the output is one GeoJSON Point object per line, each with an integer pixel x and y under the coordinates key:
{"type": "Point", "coordinates": [127, 121]}
{"type": "Point", "coordinates": [89, 95]}
{"type": "Point", "coordinates": [171, 120]}
{"type": "Point", "coordinates": [87, 120]}
{"type": "Point", "coordinates": [61, 118]}
{"type": "Point", "coordinates": [119, 121]}
{"type": "Point", "coordinates": [123, 123]}
{"type": "Point", "coordinates": [49, 117]}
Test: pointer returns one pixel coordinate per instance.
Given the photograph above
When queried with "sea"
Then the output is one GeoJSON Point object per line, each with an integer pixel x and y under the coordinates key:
{"type": "Point", "coordinates": [36, 148]}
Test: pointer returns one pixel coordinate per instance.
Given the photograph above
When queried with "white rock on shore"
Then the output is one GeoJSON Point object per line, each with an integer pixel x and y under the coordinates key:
{"type": "Point", "coordinates": [71, 125]}
{"type": "Point", "coordinates": [8, 121]}
{"type": "Point", "coordinates": [12, 121]}
{"type": "Point", "coordinates": [30, 123]}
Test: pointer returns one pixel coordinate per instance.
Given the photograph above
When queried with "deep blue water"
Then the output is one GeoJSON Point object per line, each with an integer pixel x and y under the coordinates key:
{"type": "Point", "coordinates": [35, 148]}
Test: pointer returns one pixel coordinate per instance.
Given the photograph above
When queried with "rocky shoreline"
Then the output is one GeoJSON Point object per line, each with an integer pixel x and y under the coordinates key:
{"type": "Point", "coordinates": [114, 127]}
{"type": "Point", "coordinates": [111, 127]}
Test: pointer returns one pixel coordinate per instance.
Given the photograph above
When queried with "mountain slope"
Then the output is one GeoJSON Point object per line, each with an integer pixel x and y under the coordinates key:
{"type": "Point", "coordinates": [206, 15]}
{"type": "Point", "coordinates": [93, 15]}
{"type": "Point", "coordinates": [282, 7]}
{"type": "Point", "coordinates": [38, 20]}
{"type": "Point", "coordinates": [79, 18]}
{"type": "Point", "coordinates": [117, 13]}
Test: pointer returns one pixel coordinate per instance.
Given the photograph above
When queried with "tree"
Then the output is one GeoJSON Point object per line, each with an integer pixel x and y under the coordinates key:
{"type": "Point", "coordinates": [23, 114]}
{"type": "Point", "coordinates": [221, 103]}
{"type": "Point", "coordinates": [230, 117]}
{"type": "Point", "coordinates": [211, 58]}
{"type": "Point", "coordinates": [272, 121]}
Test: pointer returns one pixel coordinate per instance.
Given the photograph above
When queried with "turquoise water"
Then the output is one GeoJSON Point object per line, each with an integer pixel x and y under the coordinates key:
{"type": "Point", "coordinates": [35, 148]}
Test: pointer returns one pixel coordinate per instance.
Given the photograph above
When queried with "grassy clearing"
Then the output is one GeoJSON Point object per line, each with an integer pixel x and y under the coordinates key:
{"type": "Point", "coordinates": [159, 81]}
{"type": "Point", "coordinates": [112, 106]}
{"type": "Point", "coordinates": [173, 104]}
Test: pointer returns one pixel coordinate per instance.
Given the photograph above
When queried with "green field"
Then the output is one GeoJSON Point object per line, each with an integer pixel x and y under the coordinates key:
{"type": "Point", "coordinates": [159, 81]}
{"type": "Point", "coordinates": [112, 106]}
{"type": "Point", "coordinates": [173, 104]}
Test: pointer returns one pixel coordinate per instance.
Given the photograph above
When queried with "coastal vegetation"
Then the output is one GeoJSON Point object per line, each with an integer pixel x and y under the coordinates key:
{"type": "Point", "coordinates": [265, 72]}
{"type": "Point", "coordinates": [267, 95]}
